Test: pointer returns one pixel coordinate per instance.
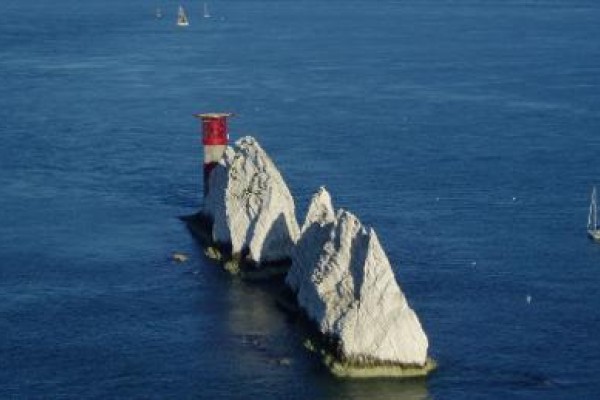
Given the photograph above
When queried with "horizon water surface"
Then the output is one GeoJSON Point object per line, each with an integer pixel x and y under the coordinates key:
{"type": "Point", "coordinates": [465, 132]}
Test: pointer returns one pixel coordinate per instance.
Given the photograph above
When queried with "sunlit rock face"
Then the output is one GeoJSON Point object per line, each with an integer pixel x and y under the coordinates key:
{"type": "Point", "coordinates": [352, 295]}
{"type": "Point", "coordinates": [250, 205]}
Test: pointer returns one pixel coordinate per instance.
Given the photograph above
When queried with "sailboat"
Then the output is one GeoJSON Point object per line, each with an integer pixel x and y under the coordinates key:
{"type": "Point", "coordinates": [206, 13]}
{"type": "Point", "coordinates": [592, 228]}
{"type": "Point", "coordinates": [182, 19]}
{"type": "Point", "coordinates": [158, 13]}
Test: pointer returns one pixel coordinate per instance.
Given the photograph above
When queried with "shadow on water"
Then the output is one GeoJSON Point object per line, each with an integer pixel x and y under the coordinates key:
{"type": "Point", "coordinates": [266, 344]}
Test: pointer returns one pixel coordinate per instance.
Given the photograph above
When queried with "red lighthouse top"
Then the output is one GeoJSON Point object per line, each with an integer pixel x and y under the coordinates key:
{"type": "Point", "coordinates": [214, 128]}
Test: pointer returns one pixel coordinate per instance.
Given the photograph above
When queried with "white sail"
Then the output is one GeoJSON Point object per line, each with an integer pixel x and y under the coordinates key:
{"type": "Point", "coordinates": [182, 19]}
{"type": "Point", "coordinates": [592, 227]}
{"type": "Point", "coordinates": [593, 217]}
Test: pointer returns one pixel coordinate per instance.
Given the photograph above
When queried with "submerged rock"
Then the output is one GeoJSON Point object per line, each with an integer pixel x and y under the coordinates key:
{"type": "Point", "coordinates": [179, 257]}
{"type": "Point", "coordinates": [352, 295]}
{"type": "Point", "coordinates": [249, 205]}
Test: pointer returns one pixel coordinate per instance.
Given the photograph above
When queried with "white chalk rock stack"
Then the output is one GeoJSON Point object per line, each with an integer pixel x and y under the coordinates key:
{"type": "Point", "coordinates": [315, 232]}
{"type": "Point", "coordinates": [250, 204]}
{"type": "Point", "coordinates": [353, 296]}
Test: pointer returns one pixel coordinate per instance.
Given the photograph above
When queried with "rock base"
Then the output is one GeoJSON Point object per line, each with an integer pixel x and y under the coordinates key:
{"type": "Point", "coordinates": [380, 371]}
{"type": "Point", "coordinates": [371, 369]}
{"type": "Point", "coordinates": [327, 350]}
{"type": "Point", "coordinates": [236, 264]}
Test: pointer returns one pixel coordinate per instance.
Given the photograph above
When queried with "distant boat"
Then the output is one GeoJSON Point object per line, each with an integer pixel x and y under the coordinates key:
{"type": "Point", "coordinates": [182, 19]}
{"type": "Point", "coordinates": [206, 13]}
{"type": "Point", "coordinates": [592, 227]}
{"type": "Point", "coordinates": [158, 13]}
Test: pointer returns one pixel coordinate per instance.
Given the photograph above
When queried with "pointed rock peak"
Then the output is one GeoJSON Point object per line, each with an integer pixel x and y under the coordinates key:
{"type": "Point", "coordinates": [248, 151]}
{"type": "Point", "coordinates": [345, 218]}
{"type": "Point", "coordinates": [373, 239]}
{"type": "Point", "coordinates": [377, 262]}
{"type": "Point", "coordinates": [342, 213]}
{"type": "Point", "coordinates": [322, 190]}
{"type": "Point", "coordinates": [246, 141]}
{"type": "Point", "coordinates": [320, 209]}
{"type": "Point", "coordinates": [376, 247]}
{"type": "Point", "coordinates": [228, 155]}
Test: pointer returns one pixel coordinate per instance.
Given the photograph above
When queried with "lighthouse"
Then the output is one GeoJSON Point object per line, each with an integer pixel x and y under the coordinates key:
{"type": "Point", "coordinates": [214, 139]}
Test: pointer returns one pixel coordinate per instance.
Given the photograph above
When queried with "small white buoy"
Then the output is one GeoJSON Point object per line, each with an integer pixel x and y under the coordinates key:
{"type": "Point", "coordinates": [528, 298]}
{"type": "Point", "coordinates": [514, 198]}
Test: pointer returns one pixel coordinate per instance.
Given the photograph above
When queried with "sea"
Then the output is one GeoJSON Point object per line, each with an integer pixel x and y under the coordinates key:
{"type": "Point", "coordinates": [465, 132]}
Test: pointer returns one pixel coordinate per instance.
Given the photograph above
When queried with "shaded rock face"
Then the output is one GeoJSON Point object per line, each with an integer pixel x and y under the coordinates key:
{"type": "Point", "coordinates": [352, 295]}
{"type": "Point", "coordinates": [315, 232]}
{"type": "Point", "coordinates": [250, 205]}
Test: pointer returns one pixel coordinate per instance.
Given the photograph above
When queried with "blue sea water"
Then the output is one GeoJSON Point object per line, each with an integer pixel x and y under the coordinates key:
{"type": "Point", "coordinates": [466, 132]}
